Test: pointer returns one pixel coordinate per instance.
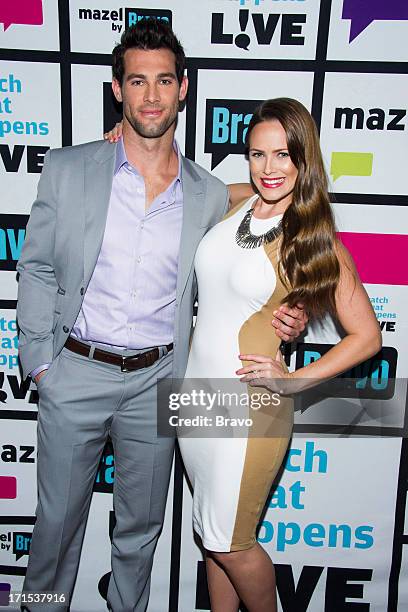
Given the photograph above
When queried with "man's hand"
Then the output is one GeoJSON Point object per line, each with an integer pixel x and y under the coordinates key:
{"type": "Point", "coordinates": [289, 323]}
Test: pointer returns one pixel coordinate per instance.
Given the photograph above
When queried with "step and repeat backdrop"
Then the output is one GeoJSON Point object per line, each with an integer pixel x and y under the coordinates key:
{"type": "Point", "coordinates": [335, 524]}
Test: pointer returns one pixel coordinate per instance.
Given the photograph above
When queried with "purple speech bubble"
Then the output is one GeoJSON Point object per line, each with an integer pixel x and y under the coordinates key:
{"type": "Point", "coordinates": [364, 12]}
{"type": "Point", "coordinates": [22, 12]}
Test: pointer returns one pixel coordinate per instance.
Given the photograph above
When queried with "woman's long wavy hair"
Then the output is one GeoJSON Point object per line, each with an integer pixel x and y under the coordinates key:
{"type": "Point", "coordinates": [308, 265]}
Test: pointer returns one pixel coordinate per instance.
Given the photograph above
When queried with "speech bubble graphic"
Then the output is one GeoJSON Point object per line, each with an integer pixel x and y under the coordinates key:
{"type": "Point", "coordinates": [344, 163]}
{"type": "Point", "coordinates": [364, 12]}
{"type": "Point", "coordinates": [21, 12]}
{"type": "Point", "coordinates": [387, 267]}
{"type": "Point", "coordinates": [5, 589]}
{"type": "Point", "coordinates": [226, 123]}
{"type": "Point", "coordinates": [8, 487]}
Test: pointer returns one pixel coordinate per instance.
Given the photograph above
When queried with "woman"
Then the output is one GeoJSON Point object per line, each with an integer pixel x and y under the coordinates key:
{"type": "Point", "coordinates": [278, 245]}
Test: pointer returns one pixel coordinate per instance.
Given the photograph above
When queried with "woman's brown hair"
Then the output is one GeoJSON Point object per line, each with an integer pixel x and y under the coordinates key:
{"type": "Point", "coordinates": [308, 264]}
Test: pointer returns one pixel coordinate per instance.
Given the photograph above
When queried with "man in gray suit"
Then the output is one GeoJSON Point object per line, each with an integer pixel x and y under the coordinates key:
{"type": "Point", "coordinates": [105, 303]}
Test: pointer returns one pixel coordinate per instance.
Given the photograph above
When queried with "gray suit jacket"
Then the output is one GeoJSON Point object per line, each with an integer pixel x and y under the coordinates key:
{"type": "Point", "coordinates": [64, 237]}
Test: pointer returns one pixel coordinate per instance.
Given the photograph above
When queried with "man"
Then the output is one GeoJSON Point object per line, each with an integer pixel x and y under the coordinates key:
{"type": "Point", "coordinates": [105, 309]}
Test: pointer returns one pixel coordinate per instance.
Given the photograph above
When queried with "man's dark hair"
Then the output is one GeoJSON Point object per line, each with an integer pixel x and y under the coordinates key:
{"type": "Point", "coordinates": [148, 34]}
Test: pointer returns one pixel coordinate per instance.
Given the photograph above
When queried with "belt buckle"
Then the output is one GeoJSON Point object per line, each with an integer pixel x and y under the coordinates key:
{"type": "Point", "coordinates": [123, 365]}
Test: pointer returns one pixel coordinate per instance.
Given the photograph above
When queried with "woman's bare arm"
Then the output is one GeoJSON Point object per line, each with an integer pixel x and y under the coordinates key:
{"type": "Point", "coordinates": [239, 192]}
{"type": "Point", "coordinates": [362, 339]}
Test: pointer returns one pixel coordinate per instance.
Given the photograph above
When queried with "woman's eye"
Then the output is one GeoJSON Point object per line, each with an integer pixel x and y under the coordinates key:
{"type": "Point", "coordinates": [256, 154]}
{"type": "Point", "coordinates": [283, 154]}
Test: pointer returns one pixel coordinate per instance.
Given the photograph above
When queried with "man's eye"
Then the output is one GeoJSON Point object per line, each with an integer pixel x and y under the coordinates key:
{"type": "Point", "coordinates": [137, 82]}
{"type": "Point", "coordinates": [165, 81]}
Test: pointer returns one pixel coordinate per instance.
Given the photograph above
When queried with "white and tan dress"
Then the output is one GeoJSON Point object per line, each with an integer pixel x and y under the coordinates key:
{"type": "Point", "coordinates": [238, 290]}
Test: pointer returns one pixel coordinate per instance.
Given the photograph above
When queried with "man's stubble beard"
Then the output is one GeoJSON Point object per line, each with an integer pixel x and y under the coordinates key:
{"type": "Point", "coordinates": [154, 130]}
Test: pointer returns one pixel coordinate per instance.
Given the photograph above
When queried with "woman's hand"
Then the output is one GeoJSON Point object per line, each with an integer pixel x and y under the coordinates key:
{"type": "Point", "coordinates": [265, 372]}
{"type": "Point", "coordinates": [114, 134]}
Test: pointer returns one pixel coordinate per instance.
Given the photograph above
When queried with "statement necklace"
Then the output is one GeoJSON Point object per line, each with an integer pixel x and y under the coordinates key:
{"type": "Point", "coordinates": [247, 240]}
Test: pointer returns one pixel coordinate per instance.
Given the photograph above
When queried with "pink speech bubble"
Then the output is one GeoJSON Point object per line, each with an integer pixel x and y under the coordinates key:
{"type": "Point", "coordinates": [8, 487]}
{"type": "Point", "coordinates": [364, 12]}
{"type": "Point", "coordinates": [378, 257]}
{"type": "Point", "coordinates": [22, 12]}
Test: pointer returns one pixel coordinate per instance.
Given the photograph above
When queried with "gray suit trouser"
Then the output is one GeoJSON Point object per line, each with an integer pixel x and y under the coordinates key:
{"type": "Point", "coordinates": [81, 402]}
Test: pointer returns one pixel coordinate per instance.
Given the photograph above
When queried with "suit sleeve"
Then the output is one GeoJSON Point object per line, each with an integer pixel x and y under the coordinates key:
{"type": "Point", "coordinates": [37, 288]}
{"type": "Point", "coordinates": [227, 202]}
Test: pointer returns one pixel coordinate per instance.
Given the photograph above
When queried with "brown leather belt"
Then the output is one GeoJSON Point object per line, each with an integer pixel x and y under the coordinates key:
{"type": "Point", "coordinates": [126, 364]}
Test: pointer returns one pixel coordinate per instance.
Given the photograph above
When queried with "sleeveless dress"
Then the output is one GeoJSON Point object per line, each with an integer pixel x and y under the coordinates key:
{"type": "Point", "coordinates": [238, 290]}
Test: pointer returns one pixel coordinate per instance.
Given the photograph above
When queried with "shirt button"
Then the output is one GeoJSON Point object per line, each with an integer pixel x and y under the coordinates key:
{"type": "Point", "coordinates": [139, 260]}
{"type": "Point", "coordinates": [139, 190]}
{"type": "Point", "coordinates": [141, 224]}
{"type": "Point", "coordinates": [65, 329]}
{"type": "Point", "coordinates": [82, 291]}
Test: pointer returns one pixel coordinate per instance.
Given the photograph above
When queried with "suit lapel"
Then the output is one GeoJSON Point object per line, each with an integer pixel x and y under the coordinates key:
{"type": "Point", "coordinates": [98, 186]}
{"type": "Point", "coordinates": [194, 189]}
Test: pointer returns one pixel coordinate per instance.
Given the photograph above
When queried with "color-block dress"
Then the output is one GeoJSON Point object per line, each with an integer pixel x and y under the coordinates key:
{"type": "Point", "coordinates": [238, 290]}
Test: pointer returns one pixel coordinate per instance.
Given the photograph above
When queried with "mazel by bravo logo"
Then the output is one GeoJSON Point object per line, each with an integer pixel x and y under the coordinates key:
{"type": "Point", "coordinates": [265, 28]}
{"type": "Point", "coordinates": [364, 12]}
{"type": "Point", "coordinates": [21, 12]}
{"type": "Point", "coordinates": [124, 17]}
{"type": "Point", "coordinates": [226, 125]}
{"type": "Point", "coordinates": [15, 539]}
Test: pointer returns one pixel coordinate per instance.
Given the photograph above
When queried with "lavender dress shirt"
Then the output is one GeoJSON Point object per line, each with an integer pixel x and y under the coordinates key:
{"type": "Point", "coordinates": [130, 299]}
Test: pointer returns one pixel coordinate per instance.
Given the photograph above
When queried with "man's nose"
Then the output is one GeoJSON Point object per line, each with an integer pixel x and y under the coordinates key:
{"type": "Point", "coordinates": [152, 93]}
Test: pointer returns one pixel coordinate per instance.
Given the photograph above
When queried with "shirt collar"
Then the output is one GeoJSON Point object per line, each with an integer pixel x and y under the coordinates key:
{"type": "Point", "coordinates": [121, 158]}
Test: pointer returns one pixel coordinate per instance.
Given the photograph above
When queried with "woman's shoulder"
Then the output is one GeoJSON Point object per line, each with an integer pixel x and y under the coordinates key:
{"type": "Point", "coordinates": [240, 206]}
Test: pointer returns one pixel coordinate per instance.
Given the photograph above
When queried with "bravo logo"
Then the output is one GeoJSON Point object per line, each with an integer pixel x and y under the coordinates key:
{"type": "Point", "coordinates": [21, 12]}
{"type": "Point", "coordinates": [226, 125]}
{"type": "Point", "coordinates": [372, 379]}
{"type": "Point", "coordinates": [266, 28]}
{"type": "Point", "coordinates": [364, 12]}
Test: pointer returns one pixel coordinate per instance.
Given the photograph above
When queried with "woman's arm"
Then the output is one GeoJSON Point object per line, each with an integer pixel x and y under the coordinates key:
{"type": "Point", "coordinates": [239, 192]}
{"type": "Point", "coordinates": [356, 316]}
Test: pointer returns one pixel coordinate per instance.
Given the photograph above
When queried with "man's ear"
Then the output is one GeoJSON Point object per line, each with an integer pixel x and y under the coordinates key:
{"type": "Point", "coordinates": [183, 89]}
{"type": "Point", "coordinates": [117, 90]}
